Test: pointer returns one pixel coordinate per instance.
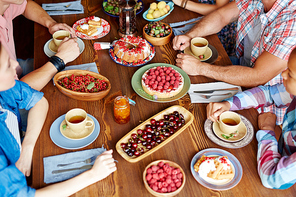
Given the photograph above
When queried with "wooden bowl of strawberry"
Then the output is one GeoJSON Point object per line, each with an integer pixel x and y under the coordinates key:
{"type": "Point", "coordinates": [164, 178]}
{"type": "Point", "coordinates": [82, 84]}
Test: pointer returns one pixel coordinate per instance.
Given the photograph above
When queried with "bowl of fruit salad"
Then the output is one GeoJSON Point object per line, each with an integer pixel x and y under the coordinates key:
{"type": "Point", "coordinates": [154, 133]}
{"type": "Point", "coordinates": [164, 178]}
{"type": "Point", "coordinates": [157, 33]}
{"type": "Point", "coordinates": [82, 84]}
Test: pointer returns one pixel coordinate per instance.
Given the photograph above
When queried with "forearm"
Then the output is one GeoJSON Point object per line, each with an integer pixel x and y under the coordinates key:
{"type": "Point", "coordinates": [37, 14]}
{"type": "Point", "coordinates": [201, 8]}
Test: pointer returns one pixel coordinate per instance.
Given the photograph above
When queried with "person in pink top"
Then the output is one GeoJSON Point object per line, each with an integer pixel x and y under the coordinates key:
{"type": "Point", "coordinates": [67, 51]}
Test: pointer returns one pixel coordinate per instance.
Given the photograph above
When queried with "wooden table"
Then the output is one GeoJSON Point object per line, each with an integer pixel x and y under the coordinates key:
{"type": "Point", "coordinates": [127, 180]}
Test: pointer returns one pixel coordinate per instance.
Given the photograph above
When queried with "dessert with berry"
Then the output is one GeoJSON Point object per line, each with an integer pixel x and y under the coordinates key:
{"type": "Point", "coordinates": [164, 82]}
{"type": "Point", "coordinates": [95, 22]}
{"type": "Point", "coordinates": [132, 49]}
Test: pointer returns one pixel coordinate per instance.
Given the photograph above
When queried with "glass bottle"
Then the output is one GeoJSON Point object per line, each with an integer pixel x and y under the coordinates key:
{"type": "Point", "coordinates": [121, 110]}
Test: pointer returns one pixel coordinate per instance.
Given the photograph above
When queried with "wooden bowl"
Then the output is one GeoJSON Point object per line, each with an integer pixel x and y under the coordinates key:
{"type": "Point", "coordinates": [157, 41]}
{"type": "Point", "coordinates": [188, 120]}
{"type": "Point", "coordinates": [154, 193]}
{"type": "Point", "coordinates": [83, 96]}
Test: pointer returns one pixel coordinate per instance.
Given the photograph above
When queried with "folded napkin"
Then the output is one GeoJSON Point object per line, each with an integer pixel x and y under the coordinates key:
{"type": "Point", "coordinates": [50, 164]}
{"type": "Point", "coordinates": [88, 66]}
{"type": "Point", "coordinates": [196, 98]}
{"type": "Point", "coordinates": [71, 7]}
{"type": "Point", "coordinates": [182, 30]}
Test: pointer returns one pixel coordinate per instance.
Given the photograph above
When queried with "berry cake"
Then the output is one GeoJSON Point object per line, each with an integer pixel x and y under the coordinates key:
{"type": "Point", "coordinates": [138, 49]}
{"type": "Point", "coordinates": [164, 82]}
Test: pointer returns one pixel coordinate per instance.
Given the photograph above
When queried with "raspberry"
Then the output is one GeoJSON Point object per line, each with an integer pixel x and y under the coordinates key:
{"type": "Point", "coordinates": [156, 72]}
{"type": "Point", "coordinates": [180, 175]}
{"type": "Point", "coordinates": [159, 87]}
{"type": "Point", "coordinates": [174, 172]}
{"type": "Point", "coordinates": [159, 171]}
{"type": "Point", "coordinates": [160, 164]}
{"type": "Point", "coordinates": [168, 78]}
{"type": "Point", "coordinates": [149, 171]}
{"type": "Point", "coordinates": [155, 188]}
{"type": "Point", "coordinates": [178, 184]}
{"type": "Point", "coordinates": [164, 190]}
{"type": "Point", "coordinates": [154, 168]}
{"type": "Point", "coordinates": [148, 177]}
{"type": "Point", "coordinates": [174, 189]}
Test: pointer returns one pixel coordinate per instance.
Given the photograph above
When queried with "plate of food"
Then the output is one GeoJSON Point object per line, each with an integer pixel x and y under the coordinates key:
{"type": "Point", "coordinates": [91, 28]}
{"type": "Point", "coordinates": [111, 7]}
{"type": "Point", "coordinates": [173, 86]}
{"type": "Point", "coordinates": [154, 133]}
{"type": "Point", "coordinates": [132, 51]}
{"type": "Point", "coordinates": [216, 169]}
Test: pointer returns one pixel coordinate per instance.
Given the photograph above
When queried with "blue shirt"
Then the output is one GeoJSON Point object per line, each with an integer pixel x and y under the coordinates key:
{"type": "Point", "coordinates": [12, 181]}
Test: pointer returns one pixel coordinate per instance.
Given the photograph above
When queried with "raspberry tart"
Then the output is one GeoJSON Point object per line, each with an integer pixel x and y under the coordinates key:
{"type": "Point", "coordinates": [163, 82]}
{"type": "Point", "coordinates": [132, 49]}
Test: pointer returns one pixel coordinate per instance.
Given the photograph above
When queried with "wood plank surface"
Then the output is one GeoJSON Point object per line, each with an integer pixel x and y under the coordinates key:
{"type": "Point", "coordinates": [127, 180]}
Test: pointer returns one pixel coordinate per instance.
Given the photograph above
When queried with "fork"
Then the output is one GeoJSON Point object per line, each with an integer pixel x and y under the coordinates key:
{"type": "Point", "coordinates": [89, 160]}
{"type": "Point", "coordinates": [209, 96]}
{"type": "Point", "coordinates": [65, 6]}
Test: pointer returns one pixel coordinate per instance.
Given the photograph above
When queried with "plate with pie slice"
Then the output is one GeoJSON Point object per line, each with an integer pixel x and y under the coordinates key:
{"type": "Point", "coordinates": [91, 28]}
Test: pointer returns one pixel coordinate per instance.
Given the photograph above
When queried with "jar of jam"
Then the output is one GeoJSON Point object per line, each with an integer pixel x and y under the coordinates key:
{"type": "Point", "coordinates": [121, 110]}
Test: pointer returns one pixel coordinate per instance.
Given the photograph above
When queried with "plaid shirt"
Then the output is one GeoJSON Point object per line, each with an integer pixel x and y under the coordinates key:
{"type": "Point", "coordinates": [278, 35]}
{"type": "Point", "coordinates": [276, 160]}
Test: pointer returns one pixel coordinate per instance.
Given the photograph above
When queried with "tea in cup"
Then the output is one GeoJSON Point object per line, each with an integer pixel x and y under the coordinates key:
{"type": "Point", "coordinates": [229, 122]}
{"type": "Point", "coordinates": [59, 36]}
{"type": "Point", "coordinates": [199, 46]}
{"type": "Point", "coordinates": [77, 121]}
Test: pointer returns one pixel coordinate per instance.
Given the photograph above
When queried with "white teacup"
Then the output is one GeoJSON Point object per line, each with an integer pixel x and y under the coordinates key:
{"type": "Point", "coordinates": [229, 122]}
{"type": "Point", "coordinates": [59, 36]}
{"type": "Point", "coordinates": [199, 46]}
{"type": "Point", "coordinates": [77, 121]}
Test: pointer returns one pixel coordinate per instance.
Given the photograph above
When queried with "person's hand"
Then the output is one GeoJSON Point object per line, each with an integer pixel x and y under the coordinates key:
{"type": "Point", "coordinates": [267, 121]}
{"type": "Point", "coordinates": [24, 163]}
{"type": "Point", "coordinates": [62, 26]}
{"type": "Point", "coordinates": [215, 109]}
{"type": "Point", "coordinates": [189, 64]}
{"type": "Point", "coordinates": [104, 165]}
{"type": "Point", "coordinates": [68, 50]}
{"type": "Point", "coordinates": [177, 2]}
{"type": "Point", "coordinates": [181, 42]}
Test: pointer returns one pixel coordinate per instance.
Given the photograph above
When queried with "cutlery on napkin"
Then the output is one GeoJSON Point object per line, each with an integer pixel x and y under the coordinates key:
{"type": "Point", "coordinates": [211, 92]}
{"type": "Point", "coordinates": [72, 7]}
{"type": "Point", "coordinates": [87, 167]}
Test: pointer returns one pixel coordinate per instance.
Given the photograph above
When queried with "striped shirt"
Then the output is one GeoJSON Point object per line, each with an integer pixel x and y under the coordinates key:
{"type": "Point", "coordinates": [276, 160]}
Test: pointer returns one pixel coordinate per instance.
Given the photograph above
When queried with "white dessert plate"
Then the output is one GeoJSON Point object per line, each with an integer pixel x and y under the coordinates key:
{"type": "Point", "coordinates": [50, 53]}
{"type": "Point", "coordinates": [66, 143]}
{"type": "Point", "coordinates": [238, 170]}
{"type": "Point", "coordinates": [68, 133]}
{"type": "Point", "coordinates": [211, 54]}
{"type": "Point", "coordinates": [208, 127]}
{"type": "Point", "coordinates": [242, 132]}
{"type": "Point", "coordinates": [102, 31]}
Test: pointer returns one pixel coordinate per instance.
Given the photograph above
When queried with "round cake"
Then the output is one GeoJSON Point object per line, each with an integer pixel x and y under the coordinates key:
{"type": "Point", "coordinates": [138, 49]}
{"type": "Point", "coordinates": [164, 82]}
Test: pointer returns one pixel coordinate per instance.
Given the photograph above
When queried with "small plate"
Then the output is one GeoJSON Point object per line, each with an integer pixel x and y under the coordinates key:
{"type": "Point", "coordinates": [242, 132]}
{"type": "Point", "coordinates": [238, 171]}
{"type": "Point", "coordinates": [73, 136]}
{"type": "Point", "coordinates": [207, 55]}
{"type": "Point", "coordinates": [171, 4]}
{"type": "Point", "coordinates": [209, 60]}
{"type": "Point", "coordinates": [145, 61]}
{"type": "Point", "coordinates": [137, 83]}
{"type": "Point", "coordinates": [138, 11]}
{"type": "Point", "coordinates": [50, 53]}
{"type": "Point", "coordinates": [63, 142]}
{"type": "Point", "coordinates": [102, 31]}
{"type": "Point", "coordinates": [52, 46]}
{"type": "Point", "coordinates": [208, 127]}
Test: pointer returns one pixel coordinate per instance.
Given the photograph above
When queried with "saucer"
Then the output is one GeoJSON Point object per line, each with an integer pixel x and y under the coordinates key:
{"type": "Point", "coordinates": [49, 52]}
{"type": "Point", "coordinates": [213, 54]}
{"type": "Point", "coordinates": [242, 132]}
{"type": "Point", "coordinates": [77, 136]}
{"type": "Point", "coordinates": [207, 54]}
{"type": "Point", "coordinates": [52, 46]}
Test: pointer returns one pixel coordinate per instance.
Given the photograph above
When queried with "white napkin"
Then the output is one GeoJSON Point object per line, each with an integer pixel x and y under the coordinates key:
{"type": "Point", "coordinates": [74, 8]}
{"type": "Point", "coordinates": [196, 98]}
{"type": "Point", "coordinates": [50, 164]}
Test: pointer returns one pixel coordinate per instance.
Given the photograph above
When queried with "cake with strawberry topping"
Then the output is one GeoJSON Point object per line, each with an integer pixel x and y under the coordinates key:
{"type": "Point", "coordinates": [132, 49]}
{"type": "Point", "coordinates": [162, 81]}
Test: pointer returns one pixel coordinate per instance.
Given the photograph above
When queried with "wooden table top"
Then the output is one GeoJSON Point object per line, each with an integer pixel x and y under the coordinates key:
{"type": "Point", "coordinates": [127, 180]}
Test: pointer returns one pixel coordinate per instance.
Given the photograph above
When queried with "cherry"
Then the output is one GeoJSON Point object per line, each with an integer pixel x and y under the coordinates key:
{"type": "Point", "coordinates": [123, 145]}
{"type": "Point", "coordinates": [131, 140]}
{"type": "Point", "coordinates": [149, 139]}
{"type": "Point", "coordinates": [126, 150]}
{"type": "Point", "coordinates": [134, 136]}
{"type": "Point", "coordinates": [130, 154]}
{"type": "Point", "coordinates": [161, 122]}
{"type": "Point", "coordinates": [139, 141]}
{"type": "Point", "coordinates": [177, 118]}
{"type": "Point", "coordinates": [152, 143]}
{"type": "Point", "coordinates": [158, 140]}
{"type": "Point", "coordinates": [181, 116]}
{"type": "Point", "coordinates": [161, 136]}
{"type": "Point", "coordinates": [144, 136]}
{"type": "Point", "coordinates": [157, 123]}
{"type": "Point", "coordinates": [148, 146]}
{"type": "Point", "coordinates": [175, 127]}
{"type": "Point", "coordinates": [176, 113]}
{"type": "Point", "coordinates": [139, 131]}
{"type": "Point", "coordinates": [148, 126]}
{"type": "Point", "coordinates": [171, 117]}
{"type": "Point", "coordinates": [149, 135]}
{"type": "Point", "coordinates": [166, 117]}
{"type": "Point", "coordinates": [144, 143]}
{"type": "Point", "coordinates": [167, 134]}
{"type": "Point", "coordinates": [133, 149]}
{"type": "Point", "coordinates": [129, 145]}
{"type": "Point", "coordinates": [136, 153]}
{"type": "Point", "coordinates": [157, 133]}
{"type": "Point", "coordinates": [140, 150]}
{"type": "Point", "coordinates": [152, 121]}
{"type": "Point", "coordinates": [153, 137]}
{"type": "Point", "coordinates": [135, 145]}
{"type": "Point", "coordinates": [179, 124]}
{"type": "Point", "coordinates": [149, 129]}
{"type": "Point", "coordinates": [172, 131]}
{"type": "Point", "coordinates": [153, 127]}
{"type": "Point", "coordinates": [158, 128]}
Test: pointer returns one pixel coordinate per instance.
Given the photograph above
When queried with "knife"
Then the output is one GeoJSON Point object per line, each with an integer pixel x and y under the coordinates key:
{"type": "Point", "coordinates": [63, 10]}
{"type": "Point", "coordinates": [86, 167]}
{"type": "Point", "coordinates": [211, 91]}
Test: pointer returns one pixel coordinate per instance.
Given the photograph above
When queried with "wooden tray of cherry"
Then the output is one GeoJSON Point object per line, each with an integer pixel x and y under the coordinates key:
{"type": "Point", "coordinates": [154, 133]}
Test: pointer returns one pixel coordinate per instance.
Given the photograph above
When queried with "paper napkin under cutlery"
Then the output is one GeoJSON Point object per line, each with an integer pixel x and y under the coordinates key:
{"type": "Point", "coordinates": [196, 98]}
{"type": "Point", "coordinates": [178, 28]}
{"type": "Point", "coordinates": [71, 7]}
{"type": "Point", "coordinates": [50, 164]}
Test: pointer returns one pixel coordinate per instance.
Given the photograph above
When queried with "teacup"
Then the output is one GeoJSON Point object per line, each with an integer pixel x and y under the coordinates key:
{"type": "Point", "coordinates": [199, 46]}
{"type": "Point", "coordinates": [59, 36]}
{"type": "Point", "coordinates": [77, 121]}
{"type": "Point", "coordinates": [229, 122]}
